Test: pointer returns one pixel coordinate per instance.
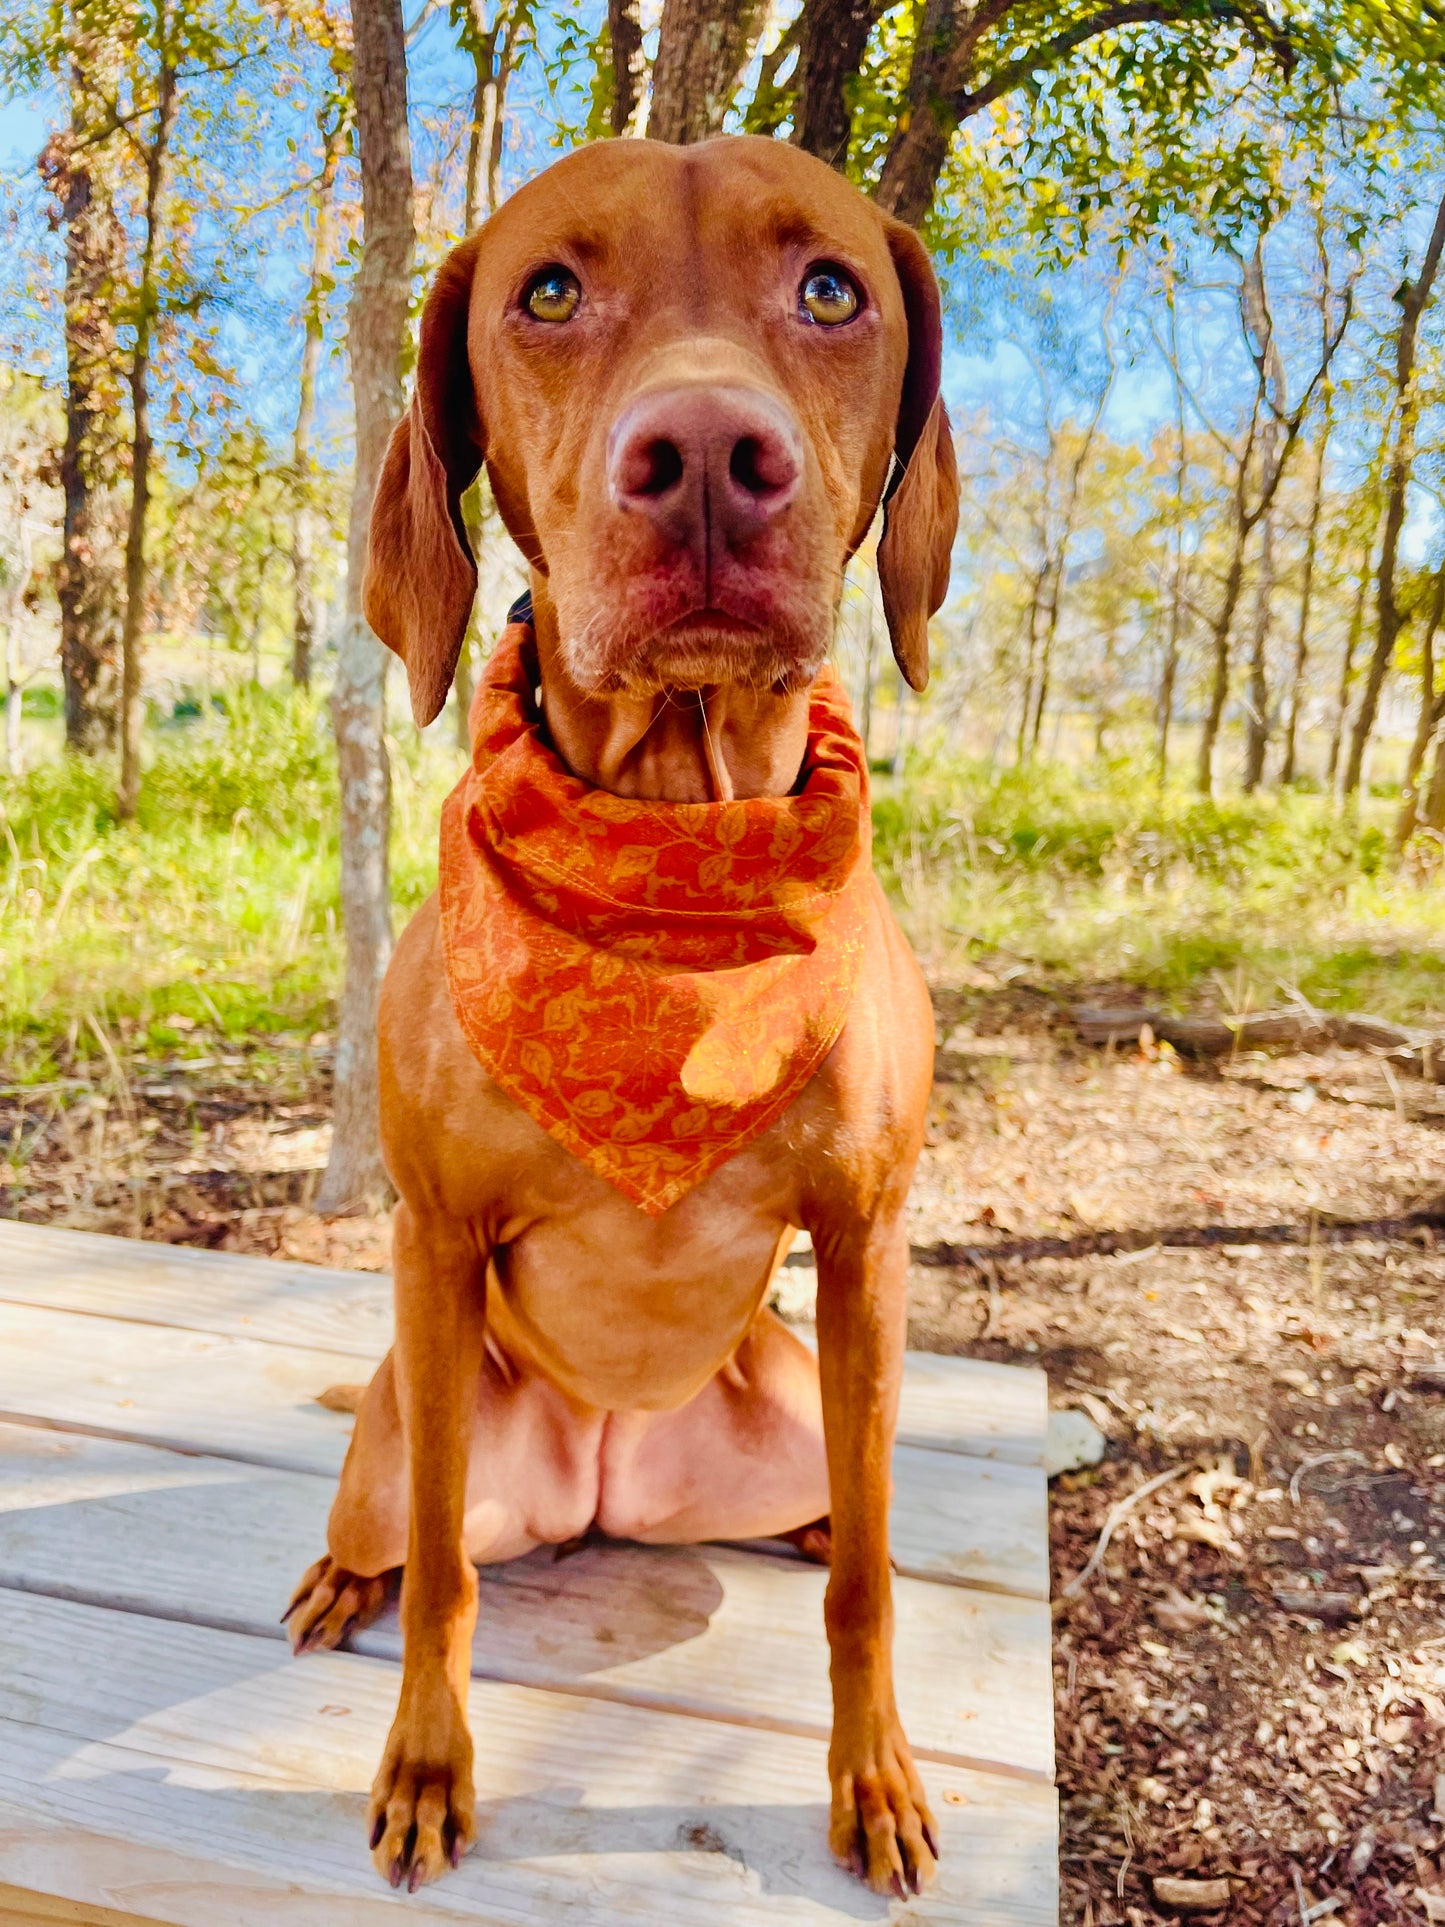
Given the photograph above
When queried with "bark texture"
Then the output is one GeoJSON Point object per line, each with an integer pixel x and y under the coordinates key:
{"type": "Point", "coordinates": [832, 39]}
{"type": "Point", "coordinates": [87, 578]}
{"type": "Point", "coordinates": [332, 127]}
{"type": "Point", "coordinates": [629, 68]}
{"type": "Point", "coordinates": [703, 47]}
{"type": "Point", "coordinates": [376, 335]}
{"type": "Point", "coordinates": [156, 154]}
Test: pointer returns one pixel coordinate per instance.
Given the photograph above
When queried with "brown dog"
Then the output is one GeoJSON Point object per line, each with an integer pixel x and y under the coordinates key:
{"type": "Point", "coordinates": [688, 372]}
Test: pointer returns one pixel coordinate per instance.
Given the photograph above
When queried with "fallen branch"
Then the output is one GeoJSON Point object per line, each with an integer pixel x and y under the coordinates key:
{"type": "Point", "coordinates": [1418, 1053]}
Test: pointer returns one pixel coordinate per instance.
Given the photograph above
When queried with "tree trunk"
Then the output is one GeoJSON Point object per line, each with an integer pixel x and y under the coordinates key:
{"type": "Point", "coordinates": [1169, 668]}
{"type": "Point", "coordinates": [1434, 812]}
{"type": "Point", "coordinates": [1168, 672]}
{"type": "Point", "coordinates": [1259, 324]}
{"type": "Point", "coordinates": [492, 51]}
{"type": "Point", "coordinates": [1428, 719]}
{"type": "Point", "coordinates": [1060, 559]}
{"type": "Point", "coordinates": [703, 48]}
{"type": "Point", "coordinates": [1026, 698]}
{"type": "Point", "coordinates": [331, 124]}
{"type": "Point", "coordinates": [1257, 736]}
{"type": "Point", "coordinates": [629, 68]}
{"type": "Point", "coordinates": [85, 577]}
{"type": "Point", "coordinates": [376, 337]}
{"type": "Point", "coordinates": [1347, 671]}
{"type": "Point", "coordinates": [1302, 632]}
{"type": "Point", "coordinates": [127, 798]}
{"type": "Point", "coordinates": [832, 40]}
{"type": "Point", "coordinates": [1219, 677]}
{"type": "Point", "coordinates": [1414, 298]}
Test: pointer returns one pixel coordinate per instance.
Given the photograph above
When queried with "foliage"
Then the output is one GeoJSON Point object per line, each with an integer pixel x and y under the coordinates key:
{"type": "Point", "coordinates": [219, 903]}
{"type": "Point", "coordinates": [1095, 877]}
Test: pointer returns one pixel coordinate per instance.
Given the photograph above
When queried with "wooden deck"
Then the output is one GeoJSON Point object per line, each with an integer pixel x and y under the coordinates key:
{"type": "Point", "coordinates": [652, 1724]}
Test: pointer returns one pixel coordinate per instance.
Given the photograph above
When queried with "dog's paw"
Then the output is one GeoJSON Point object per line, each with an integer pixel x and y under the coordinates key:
{"type": "Point", "coordinates": [422, 1812]}
{"type": "Point", "coordinates": [880, 1827]}
{"type": "Point", "coordinates": [329, 1603]}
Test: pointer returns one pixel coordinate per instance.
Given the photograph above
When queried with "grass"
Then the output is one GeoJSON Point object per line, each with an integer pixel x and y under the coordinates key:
{"type": "Point", "coordinates": [1094, 875]}
{"type": "Point", "coordinates": [214, 918]}
{"type": "Point", "coordinates": [218, 907]}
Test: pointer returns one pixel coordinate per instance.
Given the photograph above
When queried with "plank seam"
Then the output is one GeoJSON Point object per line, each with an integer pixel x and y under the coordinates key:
{"type": "Point", "coordinates": [539, 1679]}
{"type": "Point", "coordinates": [233, 1455]}
{"type": "Point", "coordinates": [339, 1349]}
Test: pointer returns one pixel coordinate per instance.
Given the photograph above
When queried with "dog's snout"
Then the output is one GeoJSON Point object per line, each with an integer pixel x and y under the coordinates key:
{"type": "Point", "coordinates": [705, 461]}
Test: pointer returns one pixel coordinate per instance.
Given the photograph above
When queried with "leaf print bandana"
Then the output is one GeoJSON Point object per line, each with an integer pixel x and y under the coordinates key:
{"type": "Point", "coordinates": [653, 983]}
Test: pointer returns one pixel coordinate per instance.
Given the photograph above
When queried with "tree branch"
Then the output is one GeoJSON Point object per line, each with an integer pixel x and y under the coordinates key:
{"type": "Point", "coordinates": [1126, 13]}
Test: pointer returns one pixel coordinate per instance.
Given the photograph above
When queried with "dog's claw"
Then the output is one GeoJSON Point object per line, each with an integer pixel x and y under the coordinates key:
{"type": "Point", "coordinates": [930, 1838]}
{"type": "Point", "coordinates": [378, 1828]}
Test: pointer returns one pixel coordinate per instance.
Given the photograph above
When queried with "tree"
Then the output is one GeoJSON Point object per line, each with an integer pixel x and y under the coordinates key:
{"type": "Point", "coordinates": [376, 339]}
{"type": "Point", "coordinates": [153, 151]}
{"type": "Point", "coordinates": [1431, 710]}
{"type": "Point", "coordinates": [1413, 298]}
{"type": "Point", "coordinates": [333, 128]}
{"type": "Point", "coordinates": [1271, 431]}
{"type": "Point", "coordinates": [703, 49]}
{"type": "Point", "coordinates": [86, 579]}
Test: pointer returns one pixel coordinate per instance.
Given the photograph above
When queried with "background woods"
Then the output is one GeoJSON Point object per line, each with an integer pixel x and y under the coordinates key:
{"type": "Point", "coordinates": [1191, 252]}
{"type": "Point", "coordinates": [1167, 828]}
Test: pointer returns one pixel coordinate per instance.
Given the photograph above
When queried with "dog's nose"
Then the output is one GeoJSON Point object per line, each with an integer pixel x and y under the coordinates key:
{"type": "Point", "coordinates": [705, 460]}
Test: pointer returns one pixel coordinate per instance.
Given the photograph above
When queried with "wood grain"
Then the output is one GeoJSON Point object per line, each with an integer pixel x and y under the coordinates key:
{"type": "Point", "coordinates": [955, 1519]}
{"type": "Point", "coordinates": [189, 1774]}
{"type": "Point", "coordinates": [966, 1405]}
{"type": "Point", "coordinates": [709, 1630]}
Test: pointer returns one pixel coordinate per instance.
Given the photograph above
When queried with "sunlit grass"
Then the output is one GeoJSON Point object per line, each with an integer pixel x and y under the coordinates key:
{"type": "Point", "coordinates": [1092, 875]}
{"type": "Point", "coordinates": [219, 907]}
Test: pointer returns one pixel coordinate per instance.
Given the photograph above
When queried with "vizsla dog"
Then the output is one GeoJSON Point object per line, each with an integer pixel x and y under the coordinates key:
{"type": "Point", "coordinates": [692, 374]}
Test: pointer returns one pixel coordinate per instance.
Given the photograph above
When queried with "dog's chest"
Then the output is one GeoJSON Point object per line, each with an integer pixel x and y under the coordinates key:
{"type": "Point", "coordinates": [630, 1312]}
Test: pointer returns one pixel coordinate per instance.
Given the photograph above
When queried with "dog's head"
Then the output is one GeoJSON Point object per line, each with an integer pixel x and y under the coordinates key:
{"type": "Point", "coordinates": [689, 372]}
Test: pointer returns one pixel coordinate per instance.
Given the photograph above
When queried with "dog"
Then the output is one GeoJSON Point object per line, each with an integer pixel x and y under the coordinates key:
{"type": "Point", "coordinates": [692, 374]}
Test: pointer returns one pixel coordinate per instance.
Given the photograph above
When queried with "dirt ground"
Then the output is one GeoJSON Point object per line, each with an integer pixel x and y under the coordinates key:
{"type": "Point", "coordinates": [1250, 1677]}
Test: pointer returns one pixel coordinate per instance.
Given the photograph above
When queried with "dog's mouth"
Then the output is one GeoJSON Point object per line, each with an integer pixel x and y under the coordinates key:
{"type": "Point", "coordinates": [709, 646]}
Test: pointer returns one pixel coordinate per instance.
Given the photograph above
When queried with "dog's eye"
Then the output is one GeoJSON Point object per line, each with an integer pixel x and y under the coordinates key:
{"type": "Point", "coordinates": [828, 296]}
{"type": "Point", "coordinates": [553, 295]}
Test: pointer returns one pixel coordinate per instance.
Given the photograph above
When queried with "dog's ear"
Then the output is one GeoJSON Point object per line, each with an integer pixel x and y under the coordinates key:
{"type": "Point", "coordinates": [420, 574]}
{"type": "Point", "coordinates": [920, 515]}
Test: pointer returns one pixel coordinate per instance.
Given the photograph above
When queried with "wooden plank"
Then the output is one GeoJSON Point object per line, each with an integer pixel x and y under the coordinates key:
{"type": "Point", "coordinates": [224, 1292]}
{"type": "Point", "coordinates": [189, 1390]}
{"type": "Point", "coordinates": [964, 1521]}
{"type": "Point", "coordinates": [19, 1909]}
{"type": "Point", "coordinates": [710, 1630]}
{"type": "Point", "coordinates": [963, 1405]}
{"type": "Point", "coordinates": [203, 1779]}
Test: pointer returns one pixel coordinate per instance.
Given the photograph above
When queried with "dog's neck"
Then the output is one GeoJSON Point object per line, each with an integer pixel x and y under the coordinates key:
{"type": "Point", "coordinates": [711, 745]}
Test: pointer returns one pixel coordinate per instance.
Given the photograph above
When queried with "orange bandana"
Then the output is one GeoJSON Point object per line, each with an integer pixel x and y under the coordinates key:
{"type": "Point", "coordinates": [653, 983]}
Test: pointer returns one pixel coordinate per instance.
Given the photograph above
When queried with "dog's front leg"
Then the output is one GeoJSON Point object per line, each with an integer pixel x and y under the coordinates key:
{"type": "Point", "coordinates": [880, 1824]}
{"type": "Point", "coordinates": [421, 1814]}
